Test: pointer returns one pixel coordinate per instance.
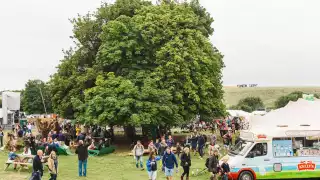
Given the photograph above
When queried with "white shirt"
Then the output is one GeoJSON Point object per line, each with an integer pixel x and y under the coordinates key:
{"type": "Point", "coordinates": [29, 126]}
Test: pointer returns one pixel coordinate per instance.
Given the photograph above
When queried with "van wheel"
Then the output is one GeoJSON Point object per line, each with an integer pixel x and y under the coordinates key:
{"type": "Point", "coordinates": [246, 175]}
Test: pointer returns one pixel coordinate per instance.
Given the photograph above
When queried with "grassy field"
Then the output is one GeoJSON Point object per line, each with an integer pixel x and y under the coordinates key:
{"type": "Point", "coordinates": [268, 94]}
{"type": "Point", "coordinates": [117, 166]}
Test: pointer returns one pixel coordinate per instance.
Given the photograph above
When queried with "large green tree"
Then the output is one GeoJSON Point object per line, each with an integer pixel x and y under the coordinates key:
{"type": "Point", "coordinates": [32, 102]}
{"type": "Point", "coordinates": [151, 64]}
{"type": "Point", "coordinates": [78, 70]}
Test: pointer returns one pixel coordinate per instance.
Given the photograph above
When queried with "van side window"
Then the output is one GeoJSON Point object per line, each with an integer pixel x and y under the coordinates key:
{"type": "Point", "coordinates": [260, 149]}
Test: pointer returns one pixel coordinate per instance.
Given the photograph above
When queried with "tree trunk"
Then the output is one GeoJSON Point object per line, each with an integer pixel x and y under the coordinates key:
{"type": "Point", "coordinates": [111, 132]}
{"type": "Point", "coordinates": [130, 132]}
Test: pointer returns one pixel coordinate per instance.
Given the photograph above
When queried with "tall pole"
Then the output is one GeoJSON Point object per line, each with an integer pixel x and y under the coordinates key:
{"type": "Point", "coordinates": [44, 106]}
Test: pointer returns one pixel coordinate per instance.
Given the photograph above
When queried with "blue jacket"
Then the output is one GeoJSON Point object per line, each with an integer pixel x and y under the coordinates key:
{"type": "Point", "coordinates": [149, 163]}
{"type": "Point", "coordinates": [201, 141]}
{"type": "Point", "coordinates": [194, 141]}
{"type": "Point", "coordinates": [169, 160]}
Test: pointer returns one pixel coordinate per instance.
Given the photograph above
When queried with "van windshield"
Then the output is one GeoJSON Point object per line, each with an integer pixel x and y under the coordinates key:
{"type": "Point", "coordinates": [241, 148]}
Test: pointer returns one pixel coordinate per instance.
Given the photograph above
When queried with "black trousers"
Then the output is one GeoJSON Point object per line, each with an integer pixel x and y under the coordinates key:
{"type": "Point", "coordinates": [186, 170]}
{"type": "Point", "coordinates": [1, 141]}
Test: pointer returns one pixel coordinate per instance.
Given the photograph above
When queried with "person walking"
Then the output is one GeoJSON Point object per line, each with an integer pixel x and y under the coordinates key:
{"type": "Point", "coordinates": [1, 137]}
{"type": "Point", "coordinates": [82, 152]}
{"type": "Point", "coordinates": [225, 169]}
{"type": "Point", "coordinates": [185, 163]}
{"type": "Point", "coordinates": [29, 128]}
{"type": "Point", "coordinates": [53, 165]}
{"type": "Point", "coordinates": [138, 152]}
{"type": "Point", "coordinates": [37, 166]}
{"type": "Point", "coordinates": [194, 140]}
{"type": "Point", "coordinates": [213, 164]}
{"type": "Point", "coordinates": [162, 147]}
{"type": "Point", "coordinates": [201, 144]}
{"type": "Point", "coordinates": [168, 161]}
{"type": "Point", "coordinates": [170, 141]}
{"type": "Point", "coordinates": [152, 165]}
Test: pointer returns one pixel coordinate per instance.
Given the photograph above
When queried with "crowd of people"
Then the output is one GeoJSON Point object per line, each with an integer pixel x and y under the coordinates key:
{"type": "Point", "coordinates": [164, 153]}
{"type": "Point", "coordinates": [169, 153]}
{"type": "Point", "coordinates": [45, 149]}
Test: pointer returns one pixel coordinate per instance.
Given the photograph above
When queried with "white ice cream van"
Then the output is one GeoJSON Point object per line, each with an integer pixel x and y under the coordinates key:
{"type": "Point", "coordinates": [280, 154]}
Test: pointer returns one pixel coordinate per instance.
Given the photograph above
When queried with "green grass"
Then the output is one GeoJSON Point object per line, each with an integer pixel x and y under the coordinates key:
{"type": "Point", "coordinates": [268, 94]}
{"type": "Point", "coordinates": [117, 166]}
{"type": "Point", "coordinates": [290, 174]}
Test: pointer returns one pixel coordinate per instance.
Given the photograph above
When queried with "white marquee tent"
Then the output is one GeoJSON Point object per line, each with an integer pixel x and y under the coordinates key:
{"type": "Point", "coordinates": [302, 115]}
{"type": "Point", "coordinates": [238, 113]}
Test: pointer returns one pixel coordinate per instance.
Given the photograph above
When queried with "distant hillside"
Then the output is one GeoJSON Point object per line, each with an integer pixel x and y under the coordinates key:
{"type": "Point", "coordinates": [268, 94]}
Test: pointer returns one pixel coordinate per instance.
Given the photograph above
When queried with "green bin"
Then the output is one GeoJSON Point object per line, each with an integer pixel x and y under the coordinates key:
{"type": "Point", "coordinates": [22, 121]}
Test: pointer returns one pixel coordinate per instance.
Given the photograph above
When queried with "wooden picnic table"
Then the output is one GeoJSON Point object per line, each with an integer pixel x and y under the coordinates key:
{"type": "Point", "coordinates": [23, 161]}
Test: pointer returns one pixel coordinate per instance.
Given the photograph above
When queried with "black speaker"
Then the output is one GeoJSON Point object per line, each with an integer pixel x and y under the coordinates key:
{"type": "Point", "coordinates": [16, 116]}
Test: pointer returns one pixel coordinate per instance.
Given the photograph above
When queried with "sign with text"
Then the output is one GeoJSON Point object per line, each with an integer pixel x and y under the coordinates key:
{"type": "Point", "coordinates": [306, 166]}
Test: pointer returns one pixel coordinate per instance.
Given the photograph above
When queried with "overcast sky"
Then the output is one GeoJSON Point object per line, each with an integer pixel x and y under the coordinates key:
{"type": "Point", "coordinates": [266, 42]}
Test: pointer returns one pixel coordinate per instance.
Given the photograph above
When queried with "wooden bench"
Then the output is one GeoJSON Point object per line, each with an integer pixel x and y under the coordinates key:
{"type": "Point", "coordinates": [24, 163]}
{"type": "Point", "coordinates": [20, 164]}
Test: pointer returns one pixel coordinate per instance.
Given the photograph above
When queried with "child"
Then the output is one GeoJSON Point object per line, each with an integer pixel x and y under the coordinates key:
{"type": "Point", "coordinates": [225, 169]}
{"type": "Point", "coordinates": [152, 165]}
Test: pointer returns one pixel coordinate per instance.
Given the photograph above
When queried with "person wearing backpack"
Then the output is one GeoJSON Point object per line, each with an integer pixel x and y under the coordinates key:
{"type": "Point", "coordinates": [138, 152]}
{"type": "Point", "coordinates": [212, 164]}
{"type": "Point", "coordinates": [185, 163]}
{"type": "Point", "coordinates": [152, 166]}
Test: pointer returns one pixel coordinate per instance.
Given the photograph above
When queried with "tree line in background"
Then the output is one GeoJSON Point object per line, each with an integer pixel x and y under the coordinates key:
{"type": "Point", "coordinates": [250, 104]}
{"type": "Point", "coordinates": [136, 63]}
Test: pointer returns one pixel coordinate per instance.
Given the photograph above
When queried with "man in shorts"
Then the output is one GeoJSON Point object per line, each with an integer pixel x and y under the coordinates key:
{"type": "Point", "coordinates": [169, 160]}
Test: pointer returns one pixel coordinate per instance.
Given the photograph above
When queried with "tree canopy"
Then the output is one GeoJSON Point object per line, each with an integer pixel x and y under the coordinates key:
{"type": "Point", "coordinates": [138, 63]}
{"type": "Point", "coordinates": [249, 104]}
{"type": "Point", "coordinates": [294, 96]}
{"type": "Point", "coordinates": [31, 99]}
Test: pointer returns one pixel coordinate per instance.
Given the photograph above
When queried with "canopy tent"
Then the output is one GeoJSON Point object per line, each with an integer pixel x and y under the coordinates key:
{"type": "Point", "coordinates": [238, 113]}
{"type": "Point", "coordinates": [301, 115]}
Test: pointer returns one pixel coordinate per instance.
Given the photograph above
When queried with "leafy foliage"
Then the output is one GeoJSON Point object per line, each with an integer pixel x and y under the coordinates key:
{"type": "Point", "coordinates": [294, 96]}
{"type": "Point", "coordinates": [152, 64]}
{"type": "Point", "coordinates": [249, 104]}
{"type": "Point", "coordinates": [31, 97]}
{"type": "Point", "coordinates": [78, 70]}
